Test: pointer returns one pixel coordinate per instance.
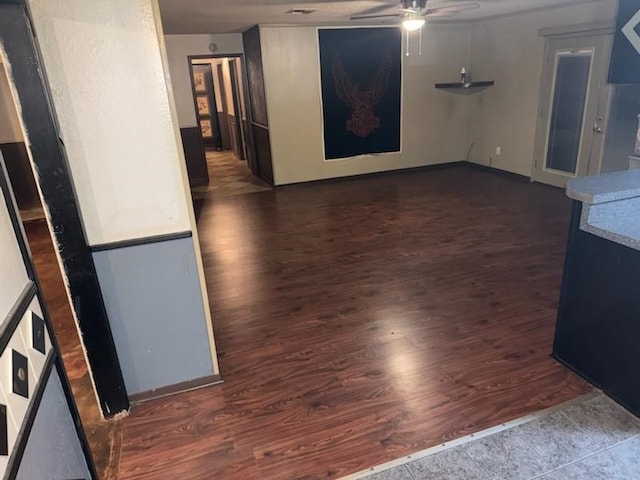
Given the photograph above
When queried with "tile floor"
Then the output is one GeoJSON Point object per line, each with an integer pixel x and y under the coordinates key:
{"type": "Point", "coordinates": [592, 439]}
{"type": "Point", "coordinates": [228, 176]}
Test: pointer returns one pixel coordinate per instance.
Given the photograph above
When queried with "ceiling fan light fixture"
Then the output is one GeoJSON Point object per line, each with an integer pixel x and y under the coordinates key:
{"type": "Point", "coordinates": [413, 23]}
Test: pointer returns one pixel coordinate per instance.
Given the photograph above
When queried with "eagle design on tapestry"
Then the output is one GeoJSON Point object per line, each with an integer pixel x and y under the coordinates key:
{"type": "Point", "coordinates": [363, 120]}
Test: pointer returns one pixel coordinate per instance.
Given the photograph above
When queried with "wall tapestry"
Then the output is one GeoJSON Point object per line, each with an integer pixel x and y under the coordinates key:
{"type": "Point", "coordinates": [625, 58]}
{"type": "Point", "coordinates": [361, 78]}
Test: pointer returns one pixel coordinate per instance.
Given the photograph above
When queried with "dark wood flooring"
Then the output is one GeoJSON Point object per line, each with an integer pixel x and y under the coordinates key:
{"type": "Point", "coordinates": [360, 321]}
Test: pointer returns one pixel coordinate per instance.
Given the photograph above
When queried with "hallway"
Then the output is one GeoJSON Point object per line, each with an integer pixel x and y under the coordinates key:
{"type": "Point", "coordinates": [228, 176]}
{"type": "Point", "coordinates": [362, 320]}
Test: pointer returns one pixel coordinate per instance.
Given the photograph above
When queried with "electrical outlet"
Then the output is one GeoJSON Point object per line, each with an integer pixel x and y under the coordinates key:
{"type": "Point", "coordinates": [498, 151]}
{"type": "Point", "coordinates": [20, 370]}
{"type": "Point", "coordinates": [4, 436]}
{"type": "Point", "coordinates": [38, 333]}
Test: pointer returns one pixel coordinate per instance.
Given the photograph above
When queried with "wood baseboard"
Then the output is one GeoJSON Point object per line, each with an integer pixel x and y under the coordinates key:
{"type": "Point", "coordinates": [497, 171]}
{"type": "Point", "coordinates": [138, 398]}
{"type": "Point", "coordinates": [424, 168]}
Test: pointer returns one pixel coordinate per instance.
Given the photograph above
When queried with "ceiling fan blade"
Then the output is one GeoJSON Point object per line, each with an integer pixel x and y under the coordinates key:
{"type": "Point", "coordinates": [439, 14]}
{"type": "Point", "coordinates": [385, 7]}
{"type": "Point", "coordinates": [459, 7]}
{"type": "Point", "coordinates": [372, 17]}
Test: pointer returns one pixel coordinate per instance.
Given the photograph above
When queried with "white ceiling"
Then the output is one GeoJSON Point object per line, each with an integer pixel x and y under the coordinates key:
{"type": "Point", "coordinates": [225, 16]}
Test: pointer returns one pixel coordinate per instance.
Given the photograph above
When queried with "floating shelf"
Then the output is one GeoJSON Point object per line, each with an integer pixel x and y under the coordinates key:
{"type": "Point", "coordinates": [470, 87]}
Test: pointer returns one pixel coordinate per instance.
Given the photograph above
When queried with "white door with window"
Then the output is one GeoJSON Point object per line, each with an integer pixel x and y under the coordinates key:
{"type": "Point", "coordinates": [573, 109]}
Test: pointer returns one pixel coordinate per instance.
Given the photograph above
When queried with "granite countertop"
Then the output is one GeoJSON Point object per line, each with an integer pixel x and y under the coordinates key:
{"type": "Point", "coordinates": [611, 206]}
{"type": "Point", "coordinates": [608, 187]}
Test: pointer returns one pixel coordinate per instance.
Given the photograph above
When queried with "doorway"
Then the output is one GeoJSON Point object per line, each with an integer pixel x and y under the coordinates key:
{"type": "Point", "coordinates": [14, 151]}
{"type": "Point", "coordinates": [219, 89]}
{"type": "Point", "coordinates": [574, 100]}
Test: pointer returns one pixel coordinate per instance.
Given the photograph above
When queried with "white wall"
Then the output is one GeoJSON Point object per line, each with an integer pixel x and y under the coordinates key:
{"type": "Point", "coordinates": [9, 124]}
{"type": "Point", "coordinates": [179, 47]}
{"type": "Point", "coordinates": [13, 275]}
{"type": "Point", "coordinates": [105, 70]}
{"type": "Point", "coordinates": [106, 67]}
{"type": "Point", "coordinates": [228, 90]}
{"type": "Point", "coordinates": [510, 51]}
{"type": "Point", "coordinates": [433, 121]}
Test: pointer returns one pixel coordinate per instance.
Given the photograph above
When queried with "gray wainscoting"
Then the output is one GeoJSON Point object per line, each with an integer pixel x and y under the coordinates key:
{"type": "Point", "coordinates": [53, 449]}
{"type": "Point", "coordinates": [153, 299]}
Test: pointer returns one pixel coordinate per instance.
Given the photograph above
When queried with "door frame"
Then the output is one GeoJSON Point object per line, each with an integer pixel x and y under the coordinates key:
{"type": "Point", "coordinates": [237, 106]}
{"type": "Point", "coordinates": [597, 105]}
{"type": "Point", "coordinates": [53, 176]}
{"type": "Point", "coordinates": [252, 160]}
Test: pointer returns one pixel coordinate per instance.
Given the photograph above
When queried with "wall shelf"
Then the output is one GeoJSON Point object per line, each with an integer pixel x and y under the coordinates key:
{"type": "Point", "coordinates": [465, 87]}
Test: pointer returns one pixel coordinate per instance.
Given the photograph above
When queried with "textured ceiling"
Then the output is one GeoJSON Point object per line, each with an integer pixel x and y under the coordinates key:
{"type": "Point", "coordinates": [224, 16]}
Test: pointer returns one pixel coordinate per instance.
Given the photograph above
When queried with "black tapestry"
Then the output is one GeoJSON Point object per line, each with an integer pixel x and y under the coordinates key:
{"type": "Point", "coordinates": [361, 78]}
{"type": "Point", "coordinates": [625, 58]}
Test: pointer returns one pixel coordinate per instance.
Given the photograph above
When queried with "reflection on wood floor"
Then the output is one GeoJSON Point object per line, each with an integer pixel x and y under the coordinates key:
{"type": "Point", "coordinates": [362, 320]}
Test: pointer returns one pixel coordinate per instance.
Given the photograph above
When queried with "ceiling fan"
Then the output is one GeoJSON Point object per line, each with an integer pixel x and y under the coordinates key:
{"type": "Point", "coordinates": [414, 12]}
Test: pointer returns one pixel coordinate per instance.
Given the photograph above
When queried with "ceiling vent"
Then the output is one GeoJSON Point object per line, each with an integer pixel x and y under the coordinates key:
{"type": "Point", "coordinates": [300, 11]}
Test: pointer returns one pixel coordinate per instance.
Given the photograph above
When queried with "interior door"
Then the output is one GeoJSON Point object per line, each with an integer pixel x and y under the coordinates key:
{"type": "Point", "coordinates": [573, 110]}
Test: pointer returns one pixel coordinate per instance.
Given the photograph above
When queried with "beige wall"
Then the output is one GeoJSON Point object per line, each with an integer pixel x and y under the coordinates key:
{"type": "Point", "coordinates": [510, 51]}
{"type": "Point", "coordinates": [179, 47]}
{"type": "Point", "coordinates": [239, 76]}
{"type": "Point", "coordinates": [10, 130]}
{"type": "Point", "coordinates": [228, 91]}
{"type": "Point", "coordinates": [433, 121]}
{"type": "Point", "coordinates": [118, 132]}
{"type": "Point", "coordinates": [106, 68]}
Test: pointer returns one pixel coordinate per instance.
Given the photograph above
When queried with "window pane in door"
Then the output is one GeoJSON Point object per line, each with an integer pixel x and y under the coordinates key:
{"type": "Point", "coordinates": [567, 113]}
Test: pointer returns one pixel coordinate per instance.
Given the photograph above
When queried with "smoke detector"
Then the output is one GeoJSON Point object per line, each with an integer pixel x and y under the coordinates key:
{"type": "Point", "coordinates": [300, 11]}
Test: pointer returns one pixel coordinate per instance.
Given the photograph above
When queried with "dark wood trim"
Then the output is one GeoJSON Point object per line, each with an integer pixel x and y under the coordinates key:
{"type": "Point", "coordinates": [12, 321]}
{"type": "Point", "coordinates": [135, 242]}
{"type": "Point", "coordinates": [497, 171]}
{"type": "Point", "coordinates": [194, 156]}
{"type": "Point", "coordinates": [189, 385]}
{"type": "Point", "coordinates": [32, 411]}
{"type": "Point", "coordinates": [237, 110]}
{"type": "Point", "coordinates": [425, 168]}
{"type": "Point", "coordinates": [56, 185]}
{"type": "Point", "coordinates": [262, 143]}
